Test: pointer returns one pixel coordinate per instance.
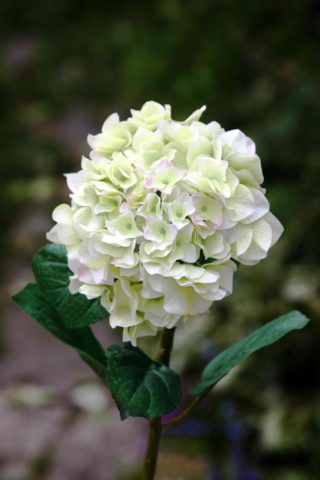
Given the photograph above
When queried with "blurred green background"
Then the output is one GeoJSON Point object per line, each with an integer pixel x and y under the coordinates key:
{"type": "Point", "coordinates": [65, 66]}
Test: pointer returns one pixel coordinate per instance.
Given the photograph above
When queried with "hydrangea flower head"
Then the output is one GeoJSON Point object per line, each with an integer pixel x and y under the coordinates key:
{"type": "Point", "coordinates": [160, 213]}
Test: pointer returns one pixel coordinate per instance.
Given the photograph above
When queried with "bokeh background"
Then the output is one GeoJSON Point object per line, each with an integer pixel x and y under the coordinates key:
{"type": "Point", "coordinates": [66, 65]}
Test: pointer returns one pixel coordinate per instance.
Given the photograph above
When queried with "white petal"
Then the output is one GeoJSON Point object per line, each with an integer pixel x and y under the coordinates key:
{"type": "Point", "coordinates": [63, 214]}
{"type": "Point", "coordinates": [277, 228]}
{"type": "Point", "coordinates": [262, 234]}
{"type": "Point", "coordinates": [243, 243]}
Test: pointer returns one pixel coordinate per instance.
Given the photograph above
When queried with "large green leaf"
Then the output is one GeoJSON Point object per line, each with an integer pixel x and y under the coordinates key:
{"type": "Point", "coordinates": [232, 356]}
{"type": "Point", "coordinates": [52, 273]}
{"type": "Point", "coordinates": [140, 386]}
{"type": "Point", "coordinates": [34, 301]}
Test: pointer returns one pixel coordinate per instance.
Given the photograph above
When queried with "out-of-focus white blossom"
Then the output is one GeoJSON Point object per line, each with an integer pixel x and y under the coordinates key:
{"type": "Point", "coordinates": [159, 213]}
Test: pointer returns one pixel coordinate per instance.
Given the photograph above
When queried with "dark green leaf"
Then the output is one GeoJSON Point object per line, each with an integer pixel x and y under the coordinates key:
{"type": "Point", "coordinates": [232, 356]}
{"type": "Point", "coordinates": [140, 386]}
{"type": "Point", "coordinates": [33, 301]}
{"type": "Point", "coordinates": [52, 273]}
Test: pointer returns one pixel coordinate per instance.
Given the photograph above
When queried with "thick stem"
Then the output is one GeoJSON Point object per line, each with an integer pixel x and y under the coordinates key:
{"type": "Point", "coordinates": [166, 346]}
{"type": "Point", "coordinates": [151, 457]}
{"type": "Point", "coordinates": [155, 427]}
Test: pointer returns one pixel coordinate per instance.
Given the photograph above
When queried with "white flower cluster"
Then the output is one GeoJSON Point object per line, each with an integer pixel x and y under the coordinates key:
{"type": "Point", "coordinates": [158, 214]}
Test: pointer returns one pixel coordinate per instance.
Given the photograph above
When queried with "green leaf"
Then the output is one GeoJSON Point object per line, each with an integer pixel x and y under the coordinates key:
{"type": "Point", "coordinates": [140, 386]}
{"type": "Point", "coordinates": [34, 302]}
{"type": "Point", "coordinates": [232, 356]}
{"type": "Point", "coordinates": [52, 273]}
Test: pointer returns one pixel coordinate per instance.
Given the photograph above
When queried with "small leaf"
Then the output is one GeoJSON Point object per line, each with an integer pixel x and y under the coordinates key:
{"type": "Point", "coordinates": [52, 273]}
{"type": "Point", "coordinates": [33, 301]}
{"type": "Point", "coordinates": [232, 356]}
{"type": "Point", "coordinates": [140, 386]}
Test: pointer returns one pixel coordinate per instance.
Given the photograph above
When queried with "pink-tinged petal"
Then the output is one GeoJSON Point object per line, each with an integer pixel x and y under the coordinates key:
{"type": "Point", "coordinates": [147, 233]}
{"type": "Point", "coordinates": [164, 163]}
{"type": "Point", "coordinates": [197, 220]}
{"type": "Point", "coordinates": [251, 146]}
{"type": "Point", "coordinates": [218, 225]}
{"type": "Point", "coordinates": [124, 208]}
{"type": "Point", "coordinates": [148, 183]}
{"type": "Point", "coordinates": [94, 155]}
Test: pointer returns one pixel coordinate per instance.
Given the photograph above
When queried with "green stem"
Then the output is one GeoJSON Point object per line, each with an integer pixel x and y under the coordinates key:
{"type": "Point", "coordinates": [155, 427]}
{"type": "Point", "coordinates": [188, 409]}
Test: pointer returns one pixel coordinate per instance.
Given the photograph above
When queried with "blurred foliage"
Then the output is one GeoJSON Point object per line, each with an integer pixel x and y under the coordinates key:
{"type": "Point", "coordinates": [67, 64]}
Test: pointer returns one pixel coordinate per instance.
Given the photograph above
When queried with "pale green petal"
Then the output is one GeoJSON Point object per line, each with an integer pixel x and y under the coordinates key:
{"type": "Point", "coordinates": [159, 211]}
{"type": "Point", "coordinates": [124, 226]}
{"type": "Point", "coordinates": [160, 232]}
{"type": "Point", "coordinates": [114, 138]}
{"type": "Point", "coordinates": [121, 172]}
{"type": "Point", "coordinates": [143, 329]}
{"type": "Point", "coordinates": [151, 206]}
{"type": "Point", "coordinates": [164, 176]}
{"type": "Point", "coordinates": [123, 310]}
{"type": "Point", "coordinates": [179, 209]}
{"type": "Point", "coordinates": [195, 116]}
{"type": "Point", "coordinates": [209, 209]}
{"type": "Point", "coordinates": [150, 115]}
